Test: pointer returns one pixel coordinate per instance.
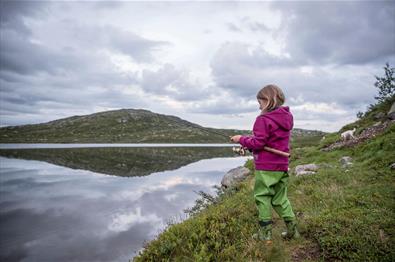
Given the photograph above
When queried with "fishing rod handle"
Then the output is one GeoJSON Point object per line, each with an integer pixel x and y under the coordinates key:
{"type": "Point", "coordinates": [278, 152]}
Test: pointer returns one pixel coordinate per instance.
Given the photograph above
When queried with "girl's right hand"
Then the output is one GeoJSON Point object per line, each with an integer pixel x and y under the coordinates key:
{"type": "Point", "coordinates": [235, 138]}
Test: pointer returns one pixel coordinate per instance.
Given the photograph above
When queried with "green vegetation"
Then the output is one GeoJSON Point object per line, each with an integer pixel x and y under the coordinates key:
{"type": "Point", "coordinates": [121, 126]}
{"type": "Point", "coordinates": [385, 84]}
{"type": "Point", "coordinates": [344, 214]}
{"type": "Point", "coordinates": [386, 91]}
{"type": "Point", "coordinates": [118, 126]}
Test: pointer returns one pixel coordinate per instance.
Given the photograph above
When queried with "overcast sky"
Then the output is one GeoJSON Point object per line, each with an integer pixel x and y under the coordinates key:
{"type": "Point", "coordinates": [201, 61]}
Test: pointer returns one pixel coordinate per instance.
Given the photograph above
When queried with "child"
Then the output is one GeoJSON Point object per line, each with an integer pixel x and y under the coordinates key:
{"type": "Point", "coordinates": [272, 128]}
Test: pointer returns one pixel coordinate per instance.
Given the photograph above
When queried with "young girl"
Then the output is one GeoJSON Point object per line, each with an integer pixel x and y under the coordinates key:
{"type": "Point", "coordinates": [272, 128]}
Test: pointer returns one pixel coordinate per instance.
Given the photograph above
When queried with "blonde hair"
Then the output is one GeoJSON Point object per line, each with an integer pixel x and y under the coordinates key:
{"type": "Point", "coordinates": [272, 95]}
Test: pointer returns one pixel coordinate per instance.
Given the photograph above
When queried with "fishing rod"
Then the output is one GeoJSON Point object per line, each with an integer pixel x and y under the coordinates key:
{"type": "Point", "coordinates": [237, 150]}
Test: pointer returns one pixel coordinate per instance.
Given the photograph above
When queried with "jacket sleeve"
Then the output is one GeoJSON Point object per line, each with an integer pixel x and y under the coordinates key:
{"type": "Point", "coordinates": [260, 135]}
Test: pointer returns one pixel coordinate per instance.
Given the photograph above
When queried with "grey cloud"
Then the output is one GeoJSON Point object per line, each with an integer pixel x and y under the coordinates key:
{"type": "Point", "coordinates": [20, 104]}
{"type": "Point", "coordinates": [246, 23]}
{"type": "Point", "coordinates": [235, 68]}
{"type": "Point", "coordinates": [17, 54]}
{"type": "Point", "coordinates": [52, 96]}
{"type": "Point", "coordinates": [339, 32]}
{"type": "Point", "coordinates": [108, 4]}
{"type": "Point", "coordinates": [243, 73]}
{"type": "Point", "coordinates": [174, 83]}
{"type": "Point", "coordinates": [233, 27]}
{"type": "Point", "coordinates": [20, 54]}
{"type": "Point", "coordinates": [254, 25]}
{"type": "Point", "coordinates": [113, 38]}
{"type": "Point", "coordinates": [224, 106]}
{"type": "Point", "coordinates": [12, 14]}
{"type": "Point", "coordinates": [46, 78]}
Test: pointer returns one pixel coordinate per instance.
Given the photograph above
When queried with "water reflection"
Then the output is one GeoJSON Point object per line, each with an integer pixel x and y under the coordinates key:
{"type": "Point", "coordinates": [53, 213]}
{"type": "Point", "coordinates": [120, 161]}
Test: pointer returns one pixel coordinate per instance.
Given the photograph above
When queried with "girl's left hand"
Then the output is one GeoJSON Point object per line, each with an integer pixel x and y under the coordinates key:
{"type": "Point", "coordinates": [235, 138]}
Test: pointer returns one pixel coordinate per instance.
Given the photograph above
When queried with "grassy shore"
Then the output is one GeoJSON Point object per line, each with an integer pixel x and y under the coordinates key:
{"type": "Point", "coordinates": [344, 213]}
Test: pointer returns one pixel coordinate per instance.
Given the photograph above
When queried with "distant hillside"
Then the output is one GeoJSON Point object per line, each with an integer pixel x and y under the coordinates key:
{"type": "Point", "coordinates": [122, 126]}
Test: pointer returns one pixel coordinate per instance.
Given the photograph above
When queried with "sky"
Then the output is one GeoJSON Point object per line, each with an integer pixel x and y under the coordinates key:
{"type": "Point", "coordinates": [201, 61]}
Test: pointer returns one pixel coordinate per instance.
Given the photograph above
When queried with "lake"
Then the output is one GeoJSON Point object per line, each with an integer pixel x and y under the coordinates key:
{"type": "Point", "coordinates": [99, 203]}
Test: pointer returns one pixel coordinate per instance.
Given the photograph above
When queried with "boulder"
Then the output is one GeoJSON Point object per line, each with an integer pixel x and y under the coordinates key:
{"type": "Point", "coordinates": [345, 161]}
{"type": "Point", "coordinates": [308, 169]}
{"type": "Point", "coordinates": [391, 113]}
{"type": "Point", "coordinates": [379, 115]}
{"type": "Point", "coordinates": [392, 166]}
{"type": "Point", "coordinates": [235, 176]}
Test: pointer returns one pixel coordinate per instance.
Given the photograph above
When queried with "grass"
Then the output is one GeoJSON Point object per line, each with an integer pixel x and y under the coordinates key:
{"type": "Point", "coordinates": [117, 126]}
{"type": "Point", "coordinates": [344, 214]}
{"type": "Point", "coordinates": [121, 126]}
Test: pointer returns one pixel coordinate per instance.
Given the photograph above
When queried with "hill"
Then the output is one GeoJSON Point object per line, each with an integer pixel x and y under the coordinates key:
{"type": "Point", "coordinates": [345, 212]}
{"type": "Point", "coordinates": [122, 126]}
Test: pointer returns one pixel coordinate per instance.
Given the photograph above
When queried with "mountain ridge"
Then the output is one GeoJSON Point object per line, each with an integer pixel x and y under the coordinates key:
{"type": "Point", "coordinates": [123, 126]}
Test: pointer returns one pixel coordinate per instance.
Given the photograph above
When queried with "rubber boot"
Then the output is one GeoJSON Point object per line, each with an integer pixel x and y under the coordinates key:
{"type": "Point", "coordinates": [265, 232]}
{"type": "Point", "coordinates": [292, 230]}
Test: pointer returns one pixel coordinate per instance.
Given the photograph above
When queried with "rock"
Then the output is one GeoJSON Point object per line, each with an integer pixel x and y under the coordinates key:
{"type": "Point", "coordinates": [391, 113]}
{"type": "Point", "coordinates": [366, 134]}
{"type": "Point", "coordinates": [309, 169]}
{"type": "Point", "coordinates": [122, 120]}
{"type": "Point", "coordinates": [304, 172]}
{"type": "Point", "coordinates": [392, 166]}
{"type": "Point", "coordinates": [235, 176]}
{"type": "Point", "coordinates": [379, 115]}
{"type": "Point", "coordinates": [345, 161]}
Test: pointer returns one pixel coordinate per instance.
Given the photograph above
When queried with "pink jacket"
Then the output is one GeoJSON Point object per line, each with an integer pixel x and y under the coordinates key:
{"type": "Point", "coordinates": [272, 129]}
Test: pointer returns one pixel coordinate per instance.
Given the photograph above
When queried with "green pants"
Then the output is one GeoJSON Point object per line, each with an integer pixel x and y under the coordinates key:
{"type": "Point", "coordinates": [271, 190]}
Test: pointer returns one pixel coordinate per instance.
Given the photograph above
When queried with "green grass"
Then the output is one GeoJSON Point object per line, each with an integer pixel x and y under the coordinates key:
{"type": "Point", "coordinates": [344, 214]}
{"type": "Point", "coordinates": [121, 126]}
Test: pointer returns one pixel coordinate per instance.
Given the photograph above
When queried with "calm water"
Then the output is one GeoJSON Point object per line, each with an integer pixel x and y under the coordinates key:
{"type": "Point", "coordinates": [98, 204]}
{"type": "Point", "coordinates": [59, 145]}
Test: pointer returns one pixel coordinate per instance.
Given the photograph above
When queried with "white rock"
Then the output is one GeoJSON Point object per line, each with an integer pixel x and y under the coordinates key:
{"type": "Point", "coordinates": [308, 169]}
{"type": "Point", "coordinates": [345, 161]}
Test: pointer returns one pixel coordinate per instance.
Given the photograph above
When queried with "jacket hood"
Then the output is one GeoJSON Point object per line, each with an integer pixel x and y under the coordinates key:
{"type": "Point", "coordinates": [281, 116]}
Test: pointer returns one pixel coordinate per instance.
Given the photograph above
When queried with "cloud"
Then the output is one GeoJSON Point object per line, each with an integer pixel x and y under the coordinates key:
{"type": "Point", "coordinates": [175, 83]}
{"type": "Point", "coordinates": [112, 38]}
{"type": "Point", "coordinates": [64, 58]}
{"type": "Point", "coordinates": [14, 13]}
{"type": "Point", "coordinates": [39, 76]}
{"type": "Point", "coordinates": [244, 69]}
{"type": "Point", "coordinates": [338, 33]}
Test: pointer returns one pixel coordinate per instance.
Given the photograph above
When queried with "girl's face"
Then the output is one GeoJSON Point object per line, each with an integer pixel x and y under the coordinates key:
{"type": "Point", "coordinates": [262, 103]}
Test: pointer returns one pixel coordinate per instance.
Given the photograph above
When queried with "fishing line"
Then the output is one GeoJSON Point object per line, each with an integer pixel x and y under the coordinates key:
{"type": "Point", "coordinates": [237, 150]}
{"type": "Point", "coordinates": [240, 150]}
{"type": "Point", "coordinates": [201, 128]}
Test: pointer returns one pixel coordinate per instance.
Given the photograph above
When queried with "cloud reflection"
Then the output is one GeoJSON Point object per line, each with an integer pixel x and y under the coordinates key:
{"type": "Point", "coordinates": [52, 213]}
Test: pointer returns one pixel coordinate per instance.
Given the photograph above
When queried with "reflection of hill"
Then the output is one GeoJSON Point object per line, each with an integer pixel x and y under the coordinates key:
{"type": "Point", "coordinates": [120, 161]}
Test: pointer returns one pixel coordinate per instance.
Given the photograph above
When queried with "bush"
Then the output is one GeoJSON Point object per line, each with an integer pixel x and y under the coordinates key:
{"type": "Point", "coordinates": [385, 84]}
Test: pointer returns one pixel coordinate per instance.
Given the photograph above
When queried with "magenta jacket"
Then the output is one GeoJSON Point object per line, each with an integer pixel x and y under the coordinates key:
{"type": "Point", "coordinates": [272, 129]}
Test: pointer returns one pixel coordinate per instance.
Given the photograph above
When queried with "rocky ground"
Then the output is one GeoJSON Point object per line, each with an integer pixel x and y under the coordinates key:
{"type": "Point", "coordinates": [366, 134]}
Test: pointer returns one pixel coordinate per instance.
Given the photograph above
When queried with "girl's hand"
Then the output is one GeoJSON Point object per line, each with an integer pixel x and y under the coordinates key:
{"type": "Point", "coordinates": [235, 138]}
